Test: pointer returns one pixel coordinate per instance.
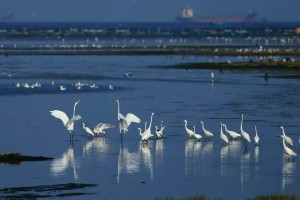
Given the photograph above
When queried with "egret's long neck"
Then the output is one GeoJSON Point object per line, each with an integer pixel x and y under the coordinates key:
{"type": "Point", "coordinates": [203, 126]}
{"type": "Point", "coordinates": [221, 130]}
{"type": "Point", "coordinates": [150, 122]}
{"type": "Point", "coordinates": [74, 109]}
{"type": "Point", "coordinates": [140, 132]}
{"type": "Point", "coordinates": [118, 110]}
{"type": "Point", "coordinates": [242, 123]}
{"type": "Point", "coordinates": [225, 127]}
{"type": "Point", "coordinates": [283, 131]}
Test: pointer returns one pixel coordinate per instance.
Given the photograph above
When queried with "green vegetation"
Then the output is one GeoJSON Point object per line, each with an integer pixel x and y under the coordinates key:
{"type": "Point", "coordinates": [17, 158]}
{"type": "Point", "coordinates": [44, 191]}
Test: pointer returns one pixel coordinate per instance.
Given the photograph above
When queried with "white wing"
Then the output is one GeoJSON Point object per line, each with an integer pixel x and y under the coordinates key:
{"type": "Point", "coordinates": [107, 126]}
{"type": "Point", "coordinates": [121, 116]}
{"type": "Point", "coordinates": [132, 118]}
{"type": "Point", "coordinates": [60, 115]}
{"type": "Point", "coordinates": [75, 118]}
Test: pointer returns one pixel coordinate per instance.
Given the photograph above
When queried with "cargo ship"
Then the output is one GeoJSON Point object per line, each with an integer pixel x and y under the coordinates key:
{"type": "Point", "coordinates": [187, 15]}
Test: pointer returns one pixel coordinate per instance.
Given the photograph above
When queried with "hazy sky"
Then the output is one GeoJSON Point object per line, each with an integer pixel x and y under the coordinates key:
{"type": "Point", "coordinates": [144, 10]}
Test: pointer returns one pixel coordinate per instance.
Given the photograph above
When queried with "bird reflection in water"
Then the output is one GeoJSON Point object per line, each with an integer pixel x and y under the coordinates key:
{"type": "Point", "coordinates": [98, 145]}
{"type": "Point", "coordinates": [147, 157]}
{"type": "Point", "coordinates": [288, 171]}
{"type": "Point", "coordinates": [256, 159]}
{"type": "Point", "coordinates": [60, 165]}
{"type": "Point", "coordinates": [159, 151]}
{"type": "Point", "coordinates": [192, 154]}
{"type": "Point", "coordinates": [224, 160]}
{"type": "Point", "coordinates": [130, 162]}
{"type": "Point", "coordinates": [245, 168]}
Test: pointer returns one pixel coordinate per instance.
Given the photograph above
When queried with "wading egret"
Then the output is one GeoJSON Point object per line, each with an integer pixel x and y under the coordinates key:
{"type": "Point", "coordinates": [206, 132]}
{"type": "Point", "coordinates": [287, 139]}
{"type": "Point", "coordinates": [256, 138]}
{"type": "Point", "coordinates": [124, 122]}
{"type": "Point", "coordinates": [99, 128]}
{"type": "Point", "coordinates": [188, 131]}
{"type": "Point", "coordinates": [196, 135]}
{"type": "Point", "coordinates": [88, 130]}
{"type": "Point", "coordinates": [244, 134]}
{"type": "Point", "coordinates": [159, 131]}
{"type": "Point", "coordinates": [223, 136]}
{"type": "Point", "coordinates": [68, 123]}
{"type": "Point", "coordinates": [287, 150]}
{"type": "Point", "coordinates": [232, 134]}
{"type": "Point", "coordinates": [147, 134]}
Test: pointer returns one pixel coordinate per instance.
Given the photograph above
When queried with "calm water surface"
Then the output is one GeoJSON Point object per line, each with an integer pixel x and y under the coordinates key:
{"type": "Point", "coordinates": [174, 166]}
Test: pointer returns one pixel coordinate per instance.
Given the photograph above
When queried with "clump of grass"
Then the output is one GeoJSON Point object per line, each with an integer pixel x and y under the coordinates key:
{"type": "Point", "coordinates": [184, 198]}
{"type": "Point", "coordinates": [276, 197]}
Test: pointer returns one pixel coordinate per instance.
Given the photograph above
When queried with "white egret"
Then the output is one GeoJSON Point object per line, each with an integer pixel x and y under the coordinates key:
{"type": "Point", "coordinates": [244, 134]}
{"type": "Point", "coordinates": [147, 134]}
{"type": "Point", "coordinates": [223, 137]}
{"type": "Point", "coordinates": [206, 132]}
{"type": "Point", "coordinates": [88, 130]}
{"type": "Point", "coordinates": [99, 128]}
{"type": "Point", "coordinates": [256, 138]}
{"type": "Point", "coordinates": [287, 139]}
{"type": "Point", "coordinates": [188, 131]}
{"type": "Point", "coordinates": [68, 123]}
{"type": "Point", "coordinates": [196, 135]}
{"type": "Point", "coordinates": [124, 122]}
{"type": "Point", "coordinates": [233, 134]}
{"type": "Point", "coordinates": [159, 131]}
{"type": "Point", "coordinates": [287, 150]}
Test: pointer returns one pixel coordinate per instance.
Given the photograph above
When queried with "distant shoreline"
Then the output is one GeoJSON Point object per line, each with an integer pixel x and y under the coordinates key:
{"type": "Point", "coordinates": [155, 50]}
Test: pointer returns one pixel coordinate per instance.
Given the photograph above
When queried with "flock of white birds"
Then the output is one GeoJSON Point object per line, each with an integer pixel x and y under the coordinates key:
{"type": "Point", "coordinates": [78, 85]}
{"type": "Point", "coordinates": [125, 121]}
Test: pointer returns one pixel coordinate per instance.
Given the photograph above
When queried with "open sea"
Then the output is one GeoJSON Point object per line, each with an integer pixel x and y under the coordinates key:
{"type": "Point", "coordinates": [174, 166]}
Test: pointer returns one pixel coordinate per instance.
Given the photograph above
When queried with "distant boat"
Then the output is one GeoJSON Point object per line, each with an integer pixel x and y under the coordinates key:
{"type": "Point", "coordinates": [187, 15]}
{"type": "Point", "coordinates": [7, 17]}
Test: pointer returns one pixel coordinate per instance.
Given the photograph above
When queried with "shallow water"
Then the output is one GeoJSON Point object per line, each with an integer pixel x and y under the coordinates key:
{"type": "Point", "coordinates": [174, 166]}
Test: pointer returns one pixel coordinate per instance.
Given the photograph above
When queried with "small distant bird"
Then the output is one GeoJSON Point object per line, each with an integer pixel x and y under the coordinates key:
{"type": "Point", "coordinates": [256, 138]}
{"type": "Point", "coordinates": [99, 128]}
{"type": "Point", "coordinates": [110, 87]}
{"type": "Point", "coordinates": [62, 88]}
{"type": "Point", "coordinates": [52, 82]}
{"type": "Point", "coordinates": [206, 132]}
{"type": "Point", "coordinates": [212, 75]}
{"type": "Point", "coordinates": [128, 74]}
{"type": "Point", "coordinates": [88, 130]}
{"type": "Point", "coordinates": [94, 86]}
{"type": "Point", "coordinates": [18, 84]}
